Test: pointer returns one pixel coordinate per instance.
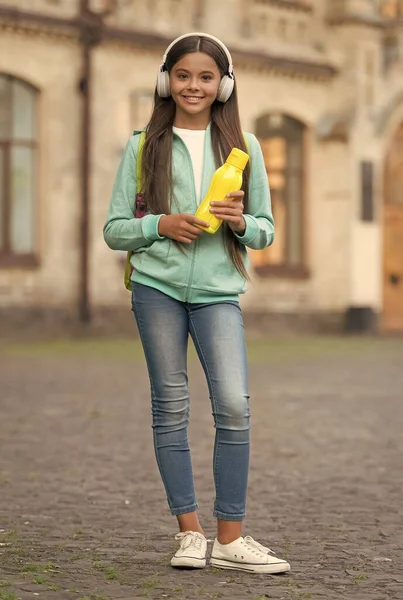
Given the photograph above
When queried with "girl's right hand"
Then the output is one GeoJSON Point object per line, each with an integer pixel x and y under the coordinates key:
{"type": "Point", "coordinates": [181, 227]}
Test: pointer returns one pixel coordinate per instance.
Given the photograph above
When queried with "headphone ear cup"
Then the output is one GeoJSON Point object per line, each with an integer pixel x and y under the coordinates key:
{"type": "Point", "coordinates": [225, 89]}
{"type": "Point", "coordinates": [163, 88]}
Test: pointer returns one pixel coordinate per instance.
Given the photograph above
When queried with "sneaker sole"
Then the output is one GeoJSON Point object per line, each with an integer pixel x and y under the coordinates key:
{"type": "Point", "coordinates": [269, 568]}
{"type": "Point", "coordinates": [188, 563]}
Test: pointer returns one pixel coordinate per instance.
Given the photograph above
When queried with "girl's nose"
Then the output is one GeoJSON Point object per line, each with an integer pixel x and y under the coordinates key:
{"type": "Point", "coordinates": [193, 84]}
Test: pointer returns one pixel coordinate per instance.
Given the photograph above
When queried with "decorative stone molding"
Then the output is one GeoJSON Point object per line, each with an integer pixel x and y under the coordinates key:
{"type": "Point", "coordinates": [63, 9]}
{"type": "Point", "coordinates": [335, 127]}
{"type": "Point", "coordinates": [355, 19]}
{"type": "Point", "coordinates": [37, 23]}
{"type": "Point", "coordinates": [40, 23]}
{"type": "Point", "coordinates": [355, 12]}
{"type": "Point", "coordinates": [295, 5]}
{"type": "Point", "coordinates": [285, 65]}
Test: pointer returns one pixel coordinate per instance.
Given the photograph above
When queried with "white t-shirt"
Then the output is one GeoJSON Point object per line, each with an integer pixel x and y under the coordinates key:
{"type": "Point", "coordinates": [194, 140]}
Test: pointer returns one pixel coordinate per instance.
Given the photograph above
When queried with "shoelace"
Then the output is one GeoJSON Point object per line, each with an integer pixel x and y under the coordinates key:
{"type": "Point", "coordinates": [251, 542]}
{"type": "Point", "coordinates": [190, 538]}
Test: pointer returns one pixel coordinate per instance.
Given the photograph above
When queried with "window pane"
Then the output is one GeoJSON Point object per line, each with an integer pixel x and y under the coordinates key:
{"type": "Point", "coordinates": [277, 253]}
{"type": "Point", "coordinates": [274, 150]}
{"type": "Point", "coordinates": [1, 198]}
{"type": "Point", "coordinates": [294, 198]}
{"type": "Point", "coordinates": [4, 107]}
{"type": "Point", "coordinates": [276, 158]}
{"type": "Point", "coordinates": [295, 155]}
{"type": "Point", "coordinates": [294, 218]}
{"type": "Point", "coordinates": [22, 165]}
{"type": "Point", "coordinates": [23, 112]}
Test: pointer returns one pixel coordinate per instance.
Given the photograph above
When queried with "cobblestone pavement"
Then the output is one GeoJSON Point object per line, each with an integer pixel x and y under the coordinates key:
{"type": "Point", "coordinates": [83, 513]}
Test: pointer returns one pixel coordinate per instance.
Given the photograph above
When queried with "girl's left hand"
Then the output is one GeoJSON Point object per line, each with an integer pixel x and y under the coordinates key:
{"type": "Point", "coordinates": [231, 211]}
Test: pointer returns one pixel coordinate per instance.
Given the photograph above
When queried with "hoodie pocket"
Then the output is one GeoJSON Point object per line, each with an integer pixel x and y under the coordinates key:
{"type": "Point", "coordinates": [156, 253]}
{"type": "Point", "coordinates": [165, 262]}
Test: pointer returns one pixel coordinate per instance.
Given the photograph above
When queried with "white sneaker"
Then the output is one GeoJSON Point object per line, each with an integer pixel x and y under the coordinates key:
{"type": "Point", "coordinates": [192, 551]}
{"type": "Point", "coordinates": [244, 554]}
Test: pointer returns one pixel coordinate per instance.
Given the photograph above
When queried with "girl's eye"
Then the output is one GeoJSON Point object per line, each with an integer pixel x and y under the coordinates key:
{"type": "Point", "coordinates": [182, 76]}
{"type": "Point", "coordinates": [207, 77]}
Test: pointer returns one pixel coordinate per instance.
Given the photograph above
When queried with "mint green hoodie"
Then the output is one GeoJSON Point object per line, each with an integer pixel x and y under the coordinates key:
{"type": "Point", "coordinates": [204, 272]}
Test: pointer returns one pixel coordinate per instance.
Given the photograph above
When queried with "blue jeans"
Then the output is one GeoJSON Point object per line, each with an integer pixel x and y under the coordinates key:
{"type": "Point", "coordinates": [217, 331]}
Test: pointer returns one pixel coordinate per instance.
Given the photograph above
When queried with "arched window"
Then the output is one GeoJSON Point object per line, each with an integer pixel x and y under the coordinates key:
{"type": "Point", "coordinates": [394, 170]}
{"type": "Point", "coordinates": [282, 140]}
{"type": "Point", "coordinates": [18, 170]}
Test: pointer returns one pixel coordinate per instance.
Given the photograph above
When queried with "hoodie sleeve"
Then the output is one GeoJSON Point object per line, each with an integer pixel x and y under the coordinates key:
{"type": "Point", "coordinates": [122, 231]}
{"type": "Point", "coordinates": [259, 231]}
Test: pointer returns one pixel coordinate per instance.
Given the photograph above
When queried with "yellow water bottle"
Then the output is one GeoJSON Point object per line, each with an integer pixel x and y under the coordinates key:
{"type": "Point", "coordinates": [227, 179]}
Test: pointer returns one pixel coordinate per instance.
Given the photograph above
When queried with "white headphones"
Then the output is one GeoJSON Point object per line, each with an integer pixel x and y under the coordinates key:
{"type": "Point", "coordinates": [226, 86]}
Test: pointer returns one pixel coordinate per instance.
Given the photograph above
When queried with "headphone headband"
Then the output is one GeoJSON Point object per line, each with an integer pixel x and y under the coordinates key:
{"type": "Point", "coordinates": [205, 35]}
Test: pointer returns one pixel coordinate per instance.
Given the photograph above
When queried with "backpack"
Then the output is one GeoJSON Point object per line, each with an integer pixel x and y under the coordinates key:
{"type": "Point", "coordinates": [140, 208]}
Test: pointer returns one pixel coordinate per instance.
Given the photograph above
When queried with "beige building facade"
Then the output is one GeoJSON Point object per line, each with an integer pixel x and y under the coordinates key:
{"type": "Point", "coordinates": [321, 85]}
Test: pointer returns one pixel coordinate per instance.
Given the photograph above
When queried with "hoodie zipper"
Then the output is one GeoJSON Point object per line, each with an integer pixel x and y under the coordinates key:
{"type": "Point", "coordinates": [195, 243]}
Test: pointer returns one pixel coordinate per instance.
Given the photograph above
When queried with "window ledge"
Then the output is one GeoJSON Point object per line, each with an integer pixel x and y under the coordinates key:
{"type": "Point", "coordinates": [25, 261]}
{"type": "Point", "coordinates": [298, 5]}
{"type": "Point", "coordinates": [283, 271]}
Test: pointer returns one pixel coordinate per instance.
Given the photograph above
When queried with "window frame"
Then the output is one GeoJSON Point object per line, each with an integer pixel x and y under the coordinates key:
{"type": "Point", "coordinates": [289, 270]}
{"type": "Point", "coordinates": [8, 257]}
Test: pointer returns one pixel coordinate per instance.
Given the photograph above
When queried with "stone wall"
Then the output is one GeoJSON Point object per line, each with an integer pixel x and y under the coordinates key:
{"type": "Point", "coordinates": [343, 255]}
{"type": "Point", "coordinates": [52, 65]}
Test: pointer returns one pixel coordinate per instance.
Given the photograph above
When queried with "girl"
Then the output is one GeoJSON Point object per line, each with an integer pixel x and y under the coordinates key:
{"type": "Point", "coordinates": [186, 281]}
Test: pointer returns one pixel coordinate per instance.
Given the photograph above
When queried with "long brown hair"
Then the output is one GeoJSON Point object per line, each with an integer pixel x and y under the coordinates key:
{"type": "Point", "coordinates": [226, 133]}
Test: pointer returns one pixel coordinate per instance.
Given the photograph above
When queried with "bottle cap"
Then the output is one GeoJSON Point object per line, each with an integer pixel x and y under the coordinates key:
{"type": "Point", "coordinates": [238, 158]}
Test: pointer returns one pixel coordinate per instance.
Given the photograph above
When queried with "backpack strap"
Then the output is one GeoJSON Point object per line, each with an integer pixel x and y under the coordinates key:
{"type": "Point", "coordinates": [139, 171]}
{"type": "Point", "coordinates": [246, 143]}
{"type": "Point", "coordinates": [140, 208]}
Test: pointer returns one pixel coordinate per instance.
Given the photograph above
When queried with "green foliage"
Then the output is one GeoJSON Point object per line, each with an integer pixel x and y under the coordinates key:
{"type": "Point", "coordinates": [5, 595]}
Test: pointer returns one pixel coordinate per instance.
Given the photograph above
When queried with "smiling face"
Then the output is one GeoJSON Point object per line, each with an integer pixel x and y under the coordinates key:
{"type": "Point", "coordinates": [194, 82]}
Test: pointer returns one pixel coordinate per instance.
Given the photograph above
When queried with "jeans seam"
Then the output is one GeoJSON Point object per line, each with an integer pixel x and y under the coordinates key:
{"type": "Point", "coordinates": [229, 517]}
{"type": "Point", "coordinates": [182, 510]}
{"type": "Point", "coordinates": [213, 397]}
{"type": "Point", "coordinates": [141, 331]}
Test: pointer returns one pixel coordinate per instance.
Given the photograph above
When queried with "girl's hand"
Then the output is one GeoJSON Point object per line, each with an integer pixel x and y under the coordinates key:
{"type": "Point", "coordinates": [181, 227]}
{"type": "Point", "coordinates": [231, 211]}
